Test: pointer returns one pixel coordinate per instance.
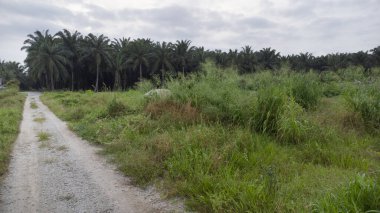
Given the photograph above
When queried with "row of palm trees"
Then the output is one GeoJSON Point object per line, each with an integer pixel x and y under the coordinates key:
{"type": "Point", "coordinates": [54, 59]}
{"type": "Point", "coordinates": [70, 60]}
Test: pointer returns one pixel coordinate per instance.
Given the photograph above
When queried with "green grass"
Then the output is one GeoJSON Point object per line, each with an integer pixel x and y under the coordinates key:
{"type": "Point", "coordinates": [33, 105]}
{"type": "Point", "coordinates": [11, 106]}
{"type": "Point", "coordinates": [231, 143]}
{"type": "Point", "coordinates": [39, 119]}
{"type": "Point", "coordinates": [43, 136]}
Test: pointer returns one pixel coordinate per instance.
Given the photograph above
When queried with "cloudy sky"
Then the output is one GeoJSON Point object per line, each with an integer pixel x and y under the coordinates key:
{"type": "Point", "coordinates": [290, 26]}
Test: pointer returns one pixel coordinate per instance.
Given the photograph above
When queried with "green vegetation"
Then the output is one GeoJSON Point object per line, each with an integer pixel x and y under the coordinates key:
{"type": "Point", "coordinates": [43, 136]}
{"type": "Point", "coordinates": [274, 142]}
{"type": "Point", "coordinates": [71, 60]}
{"type": "Point", "coordinates": [33, 105]}
{"type": "Point", "coordinates": [39, 119]}
{"type": "Point", "coordinates": [11, 105]}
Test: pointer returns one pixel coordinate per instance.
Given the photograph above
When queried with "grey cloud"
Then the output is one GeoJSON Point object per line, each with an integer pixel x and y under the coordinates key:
{"type": "Point", "coordinates": [33, 9]}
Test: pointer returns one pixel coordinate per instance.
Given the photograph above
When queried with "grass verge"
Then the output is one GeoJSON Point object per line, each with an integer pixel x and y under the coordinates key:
{"type": "Point", "coordinates": [11, 106]}
{"type": "Point", "coordinates": [230, 143]}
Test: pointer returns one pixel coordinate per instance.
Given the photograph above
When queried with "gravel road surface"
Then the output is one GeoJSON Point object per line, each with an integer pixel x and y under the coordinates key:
{"type": "Point", "coordinates": [65, 173]}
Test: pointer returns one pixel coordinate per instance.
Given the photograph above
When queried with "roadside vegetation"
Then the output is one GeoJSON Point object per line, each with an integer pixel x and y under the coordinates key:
{"type": "Point", "coordinates": [281, 141]}
{"type": "Point", "coordinates": [11, 106]}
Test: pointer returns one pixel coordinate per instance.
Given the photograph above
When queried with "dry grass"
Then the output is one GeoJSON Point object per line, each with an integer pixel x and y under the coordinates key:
{"type": "Point", "coordinates": [39, 119]}
{"type": "Point", "coordinates": [175, 111]}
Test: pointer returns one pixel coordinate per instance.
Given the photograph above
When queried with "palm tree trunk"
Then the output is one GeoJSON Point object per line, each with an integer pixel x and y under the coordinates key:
{"type": "Point", "coordinates": [72, 80]}
{"type": "Point", "coordinates": [46, 81]}
{"type": "Point", "coordinates": [163, 75]}
{"type": "Point", "coordinates": [117, 80]}
{"type": "Point", "coordinates": [183, 70]}
{"type": "Point", "coordinates": [140, 72]}
{"type": "Point", "coordinates": [97, 77]}
{"type": "Point", "coordinates": [52, 81]}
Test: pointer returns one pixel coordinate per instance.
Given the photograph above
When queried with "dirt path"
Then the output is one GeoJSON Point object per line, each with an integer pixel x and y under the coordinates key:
{"type": "Point", "coordinates": [64, 174]}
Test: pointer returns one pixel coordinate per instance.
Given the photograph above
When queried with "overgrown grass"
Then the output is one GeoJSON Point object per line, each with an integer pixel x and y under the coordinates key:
{"type": "Point", "coordinates": [361, 195]}
{"type": "Point", "coordinates": [229, 143]}
{"type": "Point", "coordinates": [33, 105]}
{"type": "Point", "coordinates": [43, 136]}
{"type": "Point", "coordinates": [11, 105]}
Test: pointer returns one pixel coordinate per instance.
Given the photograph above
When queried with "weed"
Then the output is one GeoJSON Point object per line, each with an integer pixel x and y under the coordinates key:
{"type": "Point", "coordinates": [43, 136]}
{"type": "Point", "coordinates": [50, 160]}
{"type": "Point", "coordinates": [33, 105]}
{"type": "Point", "coordinates": [360, 195]}
{"type": "Point", "coordinates": [270, 106]}
{"type": "Point", "coordinates": [306, 90]}
{"type": "Point", "coordinates": [62, 148]}
{"type": "Point", "coordinates": [39, 119]}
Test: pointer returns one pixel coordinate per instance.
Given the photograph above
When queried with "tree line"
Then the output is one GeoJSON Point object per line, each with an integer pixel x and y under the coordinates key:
{"type": "Point", "coordinates": [70, 60]}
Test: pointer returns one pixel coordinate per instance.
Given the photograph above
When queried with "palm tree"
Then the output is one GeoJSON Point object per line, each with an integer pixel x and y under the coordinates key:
{"type": "Point", "coordinates": [70, 42]}
{"type": "Point", "coordinates": [119, 54]}
{"type": "Point", "coordinates": [139, 54]}
{"type": "Point", "coordinates": [46, 57]}
{"type": "Point", "coordinates": [162, 55]}
{"type": "Point", "coordinates": [31, 46]}
{"type": "Point", "coordinates": [183, 51]}
{"type": "Point", "coordinates": [246, 60]}
{"type": "Point", "coordinates": [98, 49]}
{"type": "Point", "coordinates": [268, 58]}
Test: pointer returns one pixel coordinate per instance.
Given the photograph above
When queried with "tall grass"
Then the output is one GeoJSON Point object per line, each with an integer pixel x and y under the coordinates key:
{"type": "Point", "coordinates": [365, 100]}
{"type": "Point", "coordinates": [228, 142]}
{"type": "Point", "coordinates": [11, 105]}
{"type": "Point", "coordinates": [361, 195]}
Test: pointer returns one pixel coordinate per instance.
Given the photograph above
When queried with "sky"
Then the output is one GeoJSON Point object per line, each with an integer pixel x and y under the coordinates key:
{"type": "Point", "coordinates": [289, 26]}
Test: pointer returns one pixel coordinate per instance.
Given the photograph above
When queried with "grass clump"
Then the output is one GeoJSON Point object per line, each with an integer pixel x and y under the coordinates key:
{"type": "Point", "coordinates": [43, 136]}
{"type": "Point", "coordinates": [270, 105]}
{"type": "Point", "coordinates": [306, 90]}
{"type": "Point", "coordinates": [33, 105]}
{"type": "Point", "coordinates": [11, 106]}
{"type": "Point", "coordinates": [365, 100]}
{"type": "Point", "coordinates": [360, 195]}
{"type": "Point", "coordinates": [39, 119]}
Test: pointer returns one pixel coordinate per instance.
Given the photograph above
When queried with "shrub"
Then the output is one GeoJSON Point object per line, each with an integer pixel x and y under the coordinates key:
{"type": "Point", "coordinates": [352, 73]}
{"type": "Point", "coordinates": [329, 76]}
{"type": "Point", "coordinates": [270, 104]}
{"type": "Point", "coordinates": [14, 83]}
{"type": "Point", "coordinates": [216, 93]}
{"type": "Point", "coordinates": [365, 100]}
{"type": "Point", "coordinates": [115, 108]}
{"type": "Point", "coordinates": [292, 126]}
{"type": "Point", "coordinates": [144, 86]}
{"type": "Point", "coordinates": [360, 195]}
{"type": "Point", "coordinates": [331, 89]}
{"type": "Point", "coordinates": [305, 89]}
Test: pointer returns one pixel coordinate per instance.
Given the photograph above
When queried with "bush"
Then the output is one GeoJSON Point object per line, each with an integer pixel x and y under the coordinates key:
{"type": "Point", "coordinates": [331, 89]}
{"type": "Point", "coordinates": [292, 126]}
{"type": "Point", "coordinates": [365, 100]}
{"type": "Point", "coordinates": [270, 105]}
{"type": "Point", "coordinates": [360, 195]}
{"type": "Point", "coordinates": [115, 108]}
{"type": "Point", "coordinates": [13, 84]}
{"type": "Point", "coordinates": [216, 93]}
{"type": "Point", "coordinates": [305, 89]}
{"type": "Point", "coordinates": [352, 74]}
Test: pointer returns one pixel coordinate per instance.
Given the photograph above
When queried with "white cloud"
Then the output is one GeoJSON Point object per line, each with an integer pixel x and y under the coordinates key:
{"type": "Point", "coordinates": [290, 26]}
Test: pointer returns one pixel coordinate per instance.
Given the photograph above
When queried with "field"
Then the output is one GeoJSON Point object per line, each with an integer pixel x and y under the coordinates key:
{"type": "Point", "coordinates": [270, 141]}
{"type": "Point", "coordinates": [11, 106]}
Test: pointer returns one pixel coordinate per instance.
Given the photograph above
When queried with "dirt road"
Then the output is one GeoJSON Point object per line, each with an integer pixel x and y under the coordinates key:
{"type": "Point", "coordinates": [64, 173]}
